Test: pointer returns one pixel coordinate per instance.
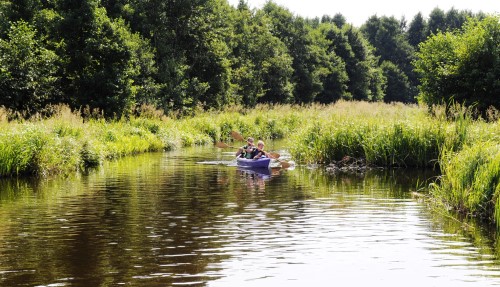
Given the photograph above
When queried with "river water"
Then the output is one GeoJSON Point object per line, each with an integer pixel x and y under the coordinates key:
{"type": "Point", "coordinates": [186, 218]}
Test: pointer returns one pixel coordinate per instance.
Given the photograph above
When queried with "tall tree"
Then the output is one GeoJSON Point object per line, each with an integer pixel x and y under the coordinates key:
{"type": "Point", "coordinates": [365, 82]}
{"type": "Point", "coordinates": [28, 71]}
{"type": "Point", "coordinates": [335, 84]}
{"type": "Point", "coordinates": [386, 34]}
{"type": "Point", "coordinates": [454, 19]}
{"type": "Point", "coordinates": [307, 48]}
{"type": "Point", "coordinates": [98, 60]}
{"type": "Point", "coordinates": [261, 65]}
{"type": "Point", "coordinates": [417, 30]}
{"type": "Point", "coordinates": [191, 39]}
{"type": "Point", "coordinates": [398, 87]}
{"type": "Point", "coordinates": [437, 21]}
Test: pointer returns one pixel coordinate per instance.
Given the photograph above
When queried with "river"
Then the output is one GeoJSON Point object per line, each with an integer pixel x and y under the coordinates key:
{"type": "Point", "coordinates": [186, 218]}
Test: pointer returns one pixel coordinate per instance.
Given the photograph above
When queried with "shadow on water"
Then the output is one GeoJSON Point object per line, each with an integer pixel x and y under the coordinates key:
{"type": "Point", "coordinates": [163, 219]}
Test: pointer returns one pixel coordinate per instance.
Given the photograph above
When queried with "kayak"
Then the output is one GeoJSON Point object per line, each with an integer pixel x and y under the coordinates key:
{"type": "Point", "coordinates": [255, 163]}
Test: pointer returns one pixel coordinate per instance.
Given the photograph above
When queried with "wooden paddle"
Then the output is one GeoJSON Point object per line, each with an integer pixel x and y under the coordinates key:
{"type": "Point", "coordinates": [284, 164]}
{"type": "Point", "coordinates": [223, 145]}
{"type": "Point", "coordinates": [237, 136]}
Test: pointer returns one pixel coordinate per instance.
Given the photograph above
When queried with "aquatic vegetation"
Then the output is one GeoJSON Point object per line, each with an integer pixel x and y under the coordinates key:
{"type": "Point", "coordinates": [388, 135]}
{"type": "Point", "coordinates": [471, 180]}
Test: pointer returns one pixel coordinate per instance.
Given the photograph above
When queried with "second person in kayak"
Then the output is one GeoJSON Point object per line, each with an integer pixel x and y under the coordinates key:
{"type": "Point", "coordinates": [259, 152]}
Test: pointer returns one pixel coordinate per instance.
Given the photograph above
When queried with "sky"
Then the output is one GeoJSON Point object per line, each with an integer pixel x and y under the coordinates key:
{"type": "Point", "coordinates": [358, 11]}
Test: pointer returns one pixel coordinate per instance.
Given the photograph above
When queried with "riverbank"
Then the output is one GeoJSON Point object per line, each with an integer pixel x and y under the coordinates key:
{"type": "Point", "coordinates": [388, 135]}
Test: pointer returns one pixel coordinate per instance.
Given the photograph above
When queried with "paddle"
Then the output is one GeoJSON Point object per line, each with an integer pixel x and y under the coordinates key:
{"type": "Point", "coordinates": [284, 164]}
{"type": "Point", "coordinates": [223, 145]}
{"type": "Point", "coordinates": [237, 136]}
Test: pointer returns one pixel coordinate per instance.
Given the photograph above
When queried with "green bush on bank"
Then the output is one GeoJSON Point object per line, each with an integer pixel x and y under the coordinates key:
{"type": "Point", "coordinates": [471, 180]}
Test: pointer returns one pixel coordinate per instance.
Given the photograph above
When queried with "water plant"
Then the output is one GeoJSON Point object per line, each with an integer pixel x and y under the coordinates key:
{"type": "Point", "coordinates": [389, 135]}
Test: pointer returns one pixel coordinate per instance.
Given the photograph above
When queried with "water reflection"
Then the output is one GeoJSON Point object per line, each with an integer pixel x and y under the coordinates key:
{"type": "Point", "coordinates": [164, 220]}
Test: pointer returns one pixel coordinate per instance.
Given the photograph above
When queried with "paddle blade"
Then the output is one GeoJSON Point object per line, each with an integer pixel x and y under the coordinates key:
{"type": "Point", "coordinates": [221, 145]}
{"type": "Point", "coordinates": [285, 164]}
{"type": "Point", "coordinates": [237, 136]}
{"type": "Point", "coordinates": [273, 155]}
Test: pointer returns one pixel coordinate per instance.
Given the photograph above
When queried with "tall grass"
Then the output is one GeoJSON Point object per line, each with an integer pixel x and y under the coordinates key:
{"type": "Point", "coordinates": [471, 180]}
{"type": "Point", "coordinates": [388, 135]}
{"type": "Point", "coordinates": [67, 142]}
{"type": "Point", "coordinates": [383, 134]}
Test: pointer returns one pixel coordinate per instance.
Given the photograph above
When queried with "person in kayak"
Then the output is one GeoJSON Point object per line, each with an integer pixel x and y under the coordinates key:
{"type": "Point", "coordinates": [247, 150]}
{"type": "Point", "coordinates": [259, 151]}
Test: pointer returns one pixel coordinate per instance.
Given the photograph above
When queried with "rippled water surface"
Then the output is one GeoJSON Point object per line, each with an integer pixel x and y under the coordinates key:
{"type": "Point", "coordinates": [186, 218]}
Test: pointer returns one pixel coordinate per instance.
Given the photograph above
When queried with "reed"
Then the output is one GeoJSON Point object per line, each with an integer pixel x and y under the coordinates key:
{"type": "Point", "coordinates": [385, 135]}
{"type": "Point", "coordinates": [470, 181]}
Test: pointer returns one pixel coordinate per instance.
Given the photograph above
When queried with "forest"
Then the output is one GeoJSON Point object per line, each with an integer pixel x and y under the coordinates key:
{"type": "Point", "coordinates": [113, 56]}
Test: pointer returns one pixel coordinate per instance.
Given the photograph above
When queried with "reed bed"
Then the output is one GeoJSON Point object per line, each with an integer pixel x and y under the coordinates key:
{"type": "Point", "coordinates": [383, 134]}
{"type": "Point", "coordinates": [470, 181]}
{"type": "Point", "coordinates": [389, 135]}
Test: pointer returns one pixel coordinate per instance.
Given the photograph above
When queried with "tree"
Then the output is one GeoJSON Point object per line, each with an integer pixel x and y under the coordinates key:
{"type": "Point", "coordinates": [28, 71]}
{"type": "Point", "coordinates": [437, 21]}
{"type": "Point", "coordinates": [386, 34]}
{"type": "Point", "coordinates": [98, 70]}
{"type": "Point", "coordinates": [335, 84]}
{"type": "Point", "coordinates": [417, 30]}
{"type": "Point", "coordinates": [306, 47]}
{"type": "Point", "coordinates": [462, 65]}
{"type": "Point", "coordinates": [141, 66]}
{"type": "Point", "coordinates": [398, 87]}
{"type": "Point", "coordinates": [191, 39]}
{"type": "Point", "coordinates": [361, 65]}
{"type": "Point", "coordinates": [454, 19]}
{"type": "Point", "coordinates": [262, 68]}
{"type": "Point", "coordinates": [338, 19]}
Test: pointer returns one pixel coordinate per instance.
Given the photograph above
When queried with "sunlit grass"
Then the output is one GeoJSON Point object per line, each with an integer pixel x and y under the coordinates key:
{"type": "Point", "coordinates": [388, 135]}
{"type": "Point", "coordinates": [471, 180]}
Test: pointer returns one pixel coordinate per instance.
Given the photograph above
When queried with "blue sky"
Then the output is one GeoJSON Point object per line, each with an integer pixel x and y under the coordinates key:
{"type": "Point", "coordinates": [358, 11]}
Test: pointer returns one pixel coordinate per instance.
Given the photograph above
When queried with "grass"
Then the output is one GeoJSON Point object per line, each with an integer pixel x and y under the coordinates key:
{"type": "Point", "coordinates": [385, 135]}
{"type": "Point", "coordinates": [470, 181]}
{"type": "Point", "coordinates": [389, 135]}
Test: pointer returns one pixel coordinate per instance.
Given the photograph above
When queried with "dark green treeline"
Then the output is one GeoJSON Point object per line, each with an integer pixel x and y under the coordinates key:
{"type": "Point", "coordinates": [114, 55]}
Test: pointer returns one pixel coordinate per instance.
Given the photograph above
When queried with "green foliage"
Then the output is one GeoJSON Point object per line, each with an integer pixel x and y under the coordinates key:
{"type": "Point", "coordinates": [261, 65]}
{"type": "Point", "coordinates": [28, 70]}
{"type": "Point", "coordinates": [471, 180]}
{"type": "Point", "coordinates": [365, 82]}
{"type": "Point", "coordinates": [388, 37]}
{"type": "Point", "coordinates": [417, 30]}
{"type": "Point", "coordinates": [398, 87]}
{"type": "Point", "coordinates": [462, 65]}
{"type": "Point", "coordinates": [183, 56]}
{"type": "Point", "coordinates": [437, 21]}
{"type": "Point", "coordinates": [400, 140]}
{"type": "Point", "coordinates": [99, 61]}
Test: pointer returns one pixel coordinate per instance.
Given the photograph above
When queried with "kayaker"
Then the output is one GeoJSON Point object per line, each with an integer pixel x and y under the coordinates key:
{"type": "Point", "coordinates": [259, 151]}
{"type": "Point", "coordinates": [246, 150]}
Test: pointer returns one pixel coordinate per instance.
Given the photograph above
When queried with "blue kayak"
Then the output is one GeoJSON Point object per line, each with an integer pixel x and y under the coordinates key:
{"type": "Point", "coordinates": [255, 163]}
